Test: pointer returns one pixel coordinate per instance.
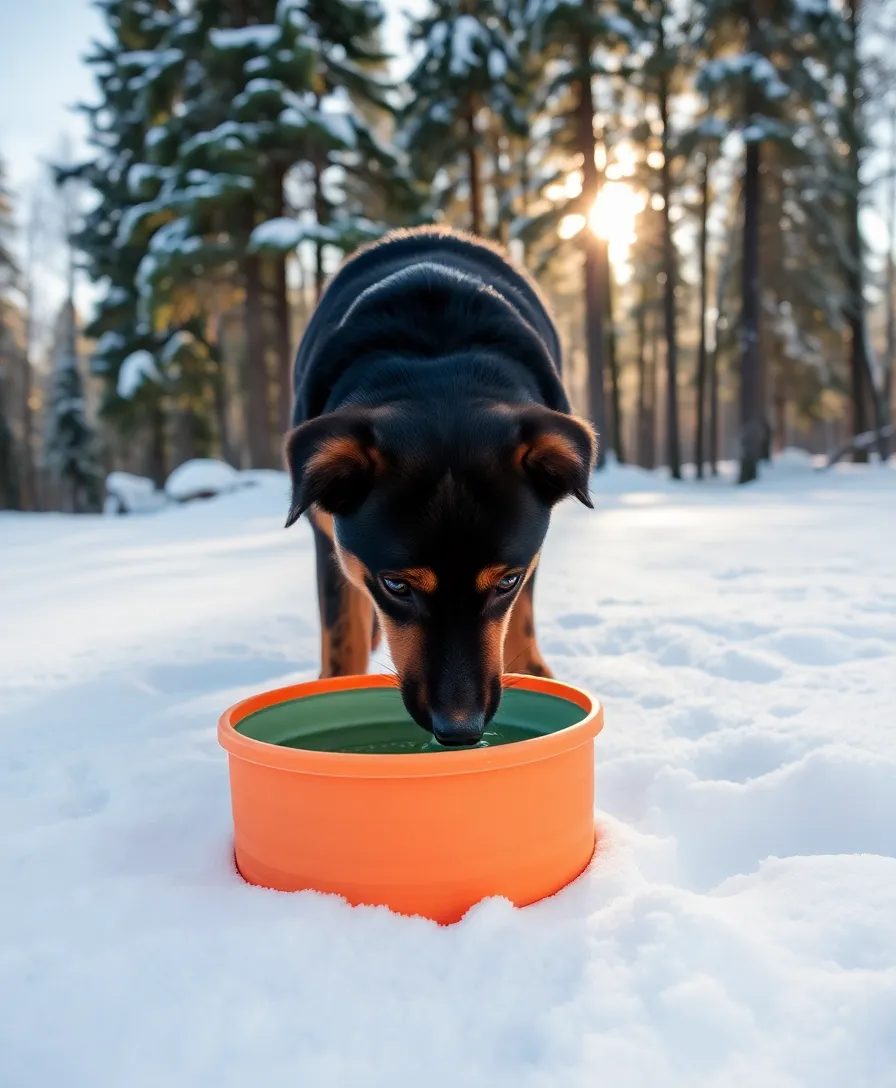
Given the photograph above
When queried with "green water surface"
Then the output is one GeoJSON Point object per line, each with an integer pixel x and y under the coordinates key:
{"type": "Point", "coordinates": [374, 721]}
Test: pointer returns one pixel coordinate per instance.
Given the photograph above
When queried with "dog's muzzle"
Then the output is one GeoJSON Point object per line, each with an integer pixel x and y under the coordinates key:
{"type": "Point", "coordinates": [456, 731]}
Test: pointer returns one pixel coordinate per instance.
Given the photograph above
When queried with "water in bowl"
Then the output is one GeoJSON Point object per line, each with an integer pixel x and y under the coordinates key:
{"type": "Point", "coordinates": [395, 738]}
{"type": "Point", "coordinates": [373, 721]}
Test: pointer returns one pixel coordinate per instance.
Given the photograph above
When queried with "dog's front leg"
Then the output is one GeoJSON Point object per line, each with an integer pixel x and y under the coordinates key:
{"type": "Point", "coordinates": [521, 653]}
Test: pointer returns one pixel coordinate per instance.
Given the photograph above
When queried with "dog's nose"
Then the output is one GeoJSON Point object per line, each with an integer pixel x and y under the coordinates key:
{"type": "Point", "coordinates": [455, 731]}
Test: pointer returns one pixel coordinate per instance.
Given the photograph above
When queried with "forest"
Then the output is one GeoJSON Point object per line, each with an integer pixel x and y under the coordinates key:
{"type": "Point", "coordinates": [705, 190]}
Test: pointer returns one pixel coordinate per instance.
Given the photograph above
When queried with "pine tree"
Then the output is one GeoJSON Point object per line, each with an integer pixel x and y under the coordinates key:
{"type": "Point", "coordinates": [854, 132]}
{"type": "Point", "coordinates": [118, 175]}
{"type": "Point", "coordinates": [765, 90]}
{"type": "Point", "coordinates": [259, 92]}
{"type": "Point", "coordinates": [218, 124]}
{"type": "Point", "coordinates": [462, 85]}
{"type": "Point", "coordinates": [667, 65]}
{"type": "Point", "coordinates": [584, 44]}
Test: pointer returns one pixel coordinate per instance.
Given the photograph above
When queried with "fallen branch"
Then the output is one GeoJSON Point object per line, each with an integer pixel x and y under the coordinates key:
{"type": "Point", "coordinates": [863, 441]}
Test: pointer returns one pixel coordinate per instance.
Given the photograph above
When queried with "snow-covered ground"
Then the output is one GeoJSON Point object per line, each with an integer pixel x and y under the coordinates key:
{"type": "Point", "coordinates": [737, 927]}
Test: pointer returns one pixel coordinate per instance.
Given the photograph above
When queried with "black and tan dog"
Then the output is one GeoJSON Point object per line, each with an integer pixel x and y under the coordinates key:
{"type": "Point", "coordinates": [432, 437]}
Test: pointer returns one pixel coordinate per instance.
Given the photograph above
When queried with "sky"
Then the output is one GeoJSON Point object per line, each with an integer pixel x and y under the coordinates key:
{"type": "Point", "coordinates": [41, 76]}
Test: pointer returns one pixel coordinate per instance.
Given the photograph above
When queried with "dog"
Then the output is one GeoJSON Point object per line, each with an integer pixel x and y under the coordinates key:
{"type": "Point", "coordinates": [431, 438]}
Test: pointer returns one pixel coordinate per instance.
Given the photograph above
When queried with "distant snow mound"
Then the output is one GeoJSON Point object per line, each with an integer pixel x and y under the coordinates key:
{"type": "Point", "coordinates": [792, 457]}
{"type": "Point", "coordinates": [129, 494]}
{"type": "Point", "coordinates": [202, 478]}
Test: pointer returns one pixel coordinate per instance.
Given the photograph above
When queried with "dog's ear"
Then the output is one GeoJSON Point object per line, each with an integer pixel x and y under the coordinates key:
{"type": "Point", "coordinates": [333, 461]}
{"type": "Point", "coordinates": [556, 453]}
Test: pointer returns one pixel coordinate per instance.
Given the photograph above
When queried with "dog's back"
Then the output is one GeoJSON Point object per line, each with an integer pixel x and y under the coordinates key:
{"type": "Point", "coordinates": [425, 293]}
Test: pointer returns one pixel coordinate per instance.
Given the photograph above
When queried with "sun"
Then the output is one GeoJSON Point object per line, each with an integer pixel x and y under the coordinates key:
{"type": "Point", "coordinates": [612, 217]}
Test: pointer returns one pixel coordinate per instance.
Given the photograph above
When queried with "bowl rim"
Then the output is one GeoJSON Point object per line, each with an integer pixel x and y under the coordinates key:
{"type": "Point", "coordinates": [404, 765]}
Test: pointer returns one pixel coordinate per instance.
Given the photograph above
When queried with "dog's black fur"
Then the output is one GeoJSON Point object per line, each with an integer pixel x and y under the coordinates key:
{"type": "Point", "coordinates": [432, 437]}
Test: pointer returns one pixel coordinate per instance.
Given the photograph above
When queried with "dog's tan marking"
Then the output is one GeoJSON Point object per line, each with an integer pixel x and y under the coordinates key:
{"type": "Point", "coordinates": [554, 451]}
{"type": "Point", "coordinates": [321, 520]}
{"type": "Point", "coordinates": [352, 567]}
{"type": "Point", "coordinates": [493, 636]}
{"type": "Point", "coordinates": [405, 643]}
{"type": "Point", "coordinates": [421, 578]}
{"type": "Point", "coordinates": [335, 451]}
{"type": "Point", "coordinates": [489, 577]}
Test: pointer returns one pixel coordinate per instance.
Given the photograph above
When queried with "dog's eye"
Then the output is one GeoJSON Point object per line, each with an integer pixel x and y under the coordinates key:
{"type": "Point", "coordinates": [396, 586]}
{"type": "Point", "coordinates": [508, 582]}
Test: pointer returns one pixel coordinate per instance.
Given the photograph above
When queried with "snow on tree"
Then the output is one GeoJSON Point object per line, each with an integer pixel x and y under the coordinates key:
{"type": "Point", "coordinates": [463, 81]}
{"type": "Point", "coordinates": [585, 47]}
{"type": "Point", "coordinates": [120, 123]}
{"type": "Point", "coordinates": [70, 447]}
{"type": "Point", "coordinates": [773, 88]}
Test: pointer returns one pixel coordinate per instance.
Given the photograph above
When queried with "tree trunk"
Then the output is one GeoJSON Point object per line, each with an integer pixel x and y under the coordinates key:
{"type": "Point", "coordinates": [322, 214]}
{"type": "Point", "coordinates": [722, 280]}
{"type": "Point", "coordinates": [653, 377]}
{"type": "Point", "coordinates": [157, 467]}
{"type": "Point", "coordinates": [780, 431]}
{"type": "Point", "coordinates": [222, 411]}
{"type": "Point", "coordinates": [27, 475]}
{"type": "Point", "coordinates": [185, 448]}
{"type": "Point", "coordinates": [862, 386]}
{"type": "Point", "coordinates": [501, 188]}
{"type": "Point", "coordinates": [751, 422]}
{"type": "Point", "coordinates": [255, 376]}
{"type": "Point", "coordinates": [217, 345]}
{"type": "Point", "coordinates": [890, 384]}
{"type": "Point", "coordinates": [612, 361]}
{"type": "Point", "coordinates": [713, 445]}
{"type": "Point", "coordinates": [10, 495]}
{"type": "Point", "coordinates": [594, 291]}
{"type": "Point", "coordinates": [701, 350]}
{"type": "Point", "coordinates": [282, 322]}
{"type": "Point", "coordinates": [524, 194]}
{"type": "Point", "coordinates": [669, 267]}
{"type": "Point", "coordinates": [473, 178]}
{"type": "Point", "coordinates": [642, 434]}
{"type": "Point", "coordinates": [751, 415]}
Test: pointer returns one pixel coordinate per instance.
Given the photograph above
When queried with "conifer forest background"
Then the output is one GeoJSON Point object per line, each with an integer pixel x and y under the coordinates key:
{"type": "Point", "coordinates": [705, 191]}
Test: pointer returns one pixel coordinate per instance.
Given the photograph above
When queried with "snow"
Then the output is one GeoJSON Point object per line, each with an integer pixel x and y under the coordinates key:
{"type": "Point", "coordinates": [138, 175]}
{"type": "Point", "coordinates": [737, 927]}
{"type": "Point", "coordinates": [155, 135]}
{"type": "Point", "coordinates": [338, 125]}
{"type": "Point", "coordinates": [108, 342]}
{"type": "Point", "coordinates": [129, 494]}
{"type": "Point", "coordinates": [262, 36]}
{"type": "Point", "coordinates": [117, 296]}
{"type": "Point", "coordinates": [259, 87]}
{"type": "Point", "coordinates": [176, 343]}
{"type": "Point", "coordinates": [257, 64]}
{"type": "Point", "coordinates": [201, 477]}
{"type": "Point", "coordinates": [621, 26]}
{"type": "Point", "coordinates": [467, 31]}
{"type": "Point", "coordinates": [137, 368]}
{"type": "Point", "coordinates": [281, 234]}
{"type": "Point", "coordinates": [497, 64]}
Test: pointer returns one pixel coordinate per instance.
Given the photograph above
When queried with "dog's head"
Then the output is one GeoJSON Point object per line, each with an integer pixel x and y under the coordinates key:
{"type": "Point", "coordinates": [439, 515]}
